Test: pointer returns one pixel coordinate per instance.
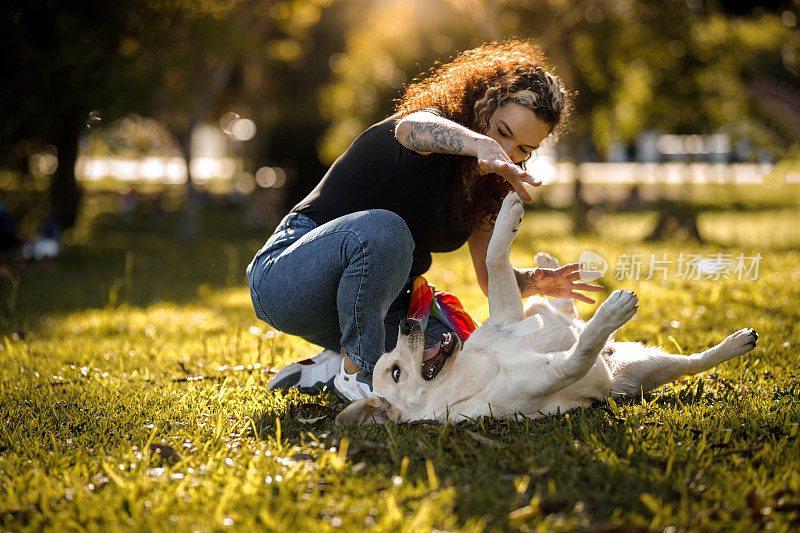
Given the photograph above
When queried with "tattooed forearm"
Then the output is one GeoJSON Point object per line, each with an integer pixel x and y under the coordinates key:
{"type": "Point", "coordinates": [522, 283]}
{"type": "Point", "coordinates": [526, 282]}
{"type": "Point", "coordinates": [434, 138]}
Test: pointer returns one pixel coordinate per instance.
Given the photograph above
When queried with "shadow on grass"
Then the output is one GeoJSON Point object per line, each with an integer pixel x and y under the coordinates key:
{"type": "Point", "coordinates": [579, 466]}
{"type": "Point", "coordinates": [587, 467]}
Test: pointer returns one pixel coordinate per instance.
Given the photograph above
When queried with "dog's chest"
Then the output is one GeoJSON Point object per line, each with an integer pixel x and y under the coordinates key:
{"type": "Point", "coordinates": [491, 384]}
{"type": "Point", "coordinates": [496, 342]}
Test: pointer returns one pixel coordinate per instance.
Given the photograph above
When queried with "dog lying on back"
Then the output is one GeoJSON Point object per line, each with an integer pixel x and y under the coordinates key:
{"type": "Point", "coordinates": [534, 361]}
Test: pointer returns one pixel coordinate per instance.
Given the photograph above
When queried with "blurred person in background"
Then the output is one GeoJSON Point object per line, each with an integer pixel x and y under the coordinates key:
{"type": "Point", "coordinates": [8, 235]}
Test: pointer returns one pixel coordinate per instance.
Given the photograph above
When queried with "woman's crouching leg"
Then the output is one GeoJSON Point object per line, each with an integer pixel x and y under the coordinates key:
{"type": "Point", "coordinates": [379, 265]}
{"type": "Point", "coordinates": [339, 280]}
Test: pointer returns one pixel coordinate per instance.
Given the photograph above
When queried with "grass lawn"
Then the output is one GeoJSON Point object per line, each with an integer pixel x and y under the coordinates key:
{"type": "Point", "coordinates": [132, 396]}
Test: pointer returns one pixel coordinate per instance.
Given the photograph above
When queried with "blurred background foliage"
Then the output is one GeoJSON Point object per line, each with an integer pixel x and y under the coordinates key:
{"type": "Point", "coordinates": [312, 74]}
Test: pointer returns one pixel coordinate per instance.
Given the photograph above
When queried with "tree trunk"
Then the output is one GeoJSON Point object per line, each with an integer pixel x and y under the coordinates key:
{"type": "Point", "coordinates": [581, 225]}
{"type": "Point", "coordinates": [210, 93]}
{"type": "Point", "coordinates": [190, 221]}
{"type": "Point", "coordinates": [65, 195]}
{"type": "Point", "coordinates": [678, 220]}
{"type": "Point", "coordinates": [681, 225]}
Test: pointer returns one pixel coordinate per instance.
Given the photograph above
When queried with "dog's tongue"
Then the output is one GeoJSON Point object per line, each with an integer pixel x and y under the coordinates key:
{"type": "Point", "coordinates": [430, 353]}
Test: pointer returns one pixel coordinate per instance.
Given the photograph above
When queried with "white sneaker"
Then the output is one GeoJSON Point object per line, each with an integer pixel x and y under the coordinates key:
{"type": "Point", "coordinates": [308, 375]}
{"type": "Point", "coordinates": [353, 387]}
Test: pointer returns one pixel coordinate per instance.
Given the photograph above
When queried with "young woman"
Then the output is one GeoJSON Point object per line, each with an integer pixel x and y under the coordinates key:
{"type": "Point", "coordinates": [338, 268]}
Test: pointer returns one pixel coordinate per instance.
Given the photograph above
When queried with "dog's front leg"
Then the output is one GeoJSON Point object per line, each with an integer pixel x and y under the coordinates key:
{"type": "Point", "coordinates": [505, 299]}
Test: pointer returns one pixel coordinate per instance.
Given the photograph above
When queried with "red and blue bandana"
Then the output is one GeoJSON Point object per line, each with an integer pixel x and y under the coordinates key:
{"type": "Point", "coordinates": [448, 309]}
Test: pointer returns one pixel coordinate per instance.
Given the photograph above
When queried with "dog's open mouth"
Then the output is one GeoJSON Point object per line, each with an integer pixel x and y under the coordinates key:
{"type": "Point", "coordinates": [433, 364]}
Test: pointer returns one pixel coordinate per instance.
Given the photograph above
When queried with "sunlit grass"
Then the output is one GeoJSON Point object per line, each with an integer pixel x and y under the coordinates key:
{"type": "Point", "coordinates": [100, 364]}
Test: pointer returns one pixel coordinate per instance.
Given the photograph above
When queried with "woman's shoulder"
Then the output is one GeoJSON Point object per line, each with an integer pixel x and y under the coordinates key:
{"type": "Point", "coordinates": [390, 121]}
{"type": "Point", "coordinates": [379, 141]}
{"type": "Point", "coordinates": [429, 109]}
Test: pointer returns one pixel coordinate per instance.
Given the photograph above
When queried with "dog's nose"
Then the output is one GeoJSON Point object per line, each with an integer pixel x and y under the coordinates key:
{"type": "Point", "coordinates": [406, 325]}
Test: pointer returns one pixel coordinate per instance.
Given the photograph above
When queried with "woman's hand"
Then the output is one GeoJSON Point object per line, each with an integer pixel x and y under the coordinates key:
{"type": "Point", "coordinates": [563, 282]}
{"type": "Point", "coordinates": [493, 159]}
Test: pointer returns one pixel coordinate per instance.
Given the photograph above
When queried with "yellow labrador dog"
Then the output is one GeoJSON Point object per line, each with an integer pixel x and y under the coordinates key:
{"type": "Point", "coordinates": [533, 361]}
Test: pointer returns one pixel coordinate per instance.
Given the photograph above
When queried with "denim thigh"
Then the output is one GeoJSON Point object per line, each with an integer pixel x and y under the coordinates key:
{"type": "Point", "coordinates": [289, 230]}
{"type": "Point", "coordinates": [343, 284]}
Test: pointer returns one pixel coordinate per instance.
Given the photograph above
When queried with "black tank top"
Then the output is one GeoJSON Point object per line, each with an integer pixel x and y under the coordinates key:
{"type": "Point", "coordinates": [377, 172]}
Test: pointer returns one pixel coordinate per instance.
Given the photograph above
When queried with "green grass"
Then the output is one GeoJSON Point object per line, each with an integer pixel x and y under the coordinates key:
{"type": "Point", "coordinates": [130, 340]}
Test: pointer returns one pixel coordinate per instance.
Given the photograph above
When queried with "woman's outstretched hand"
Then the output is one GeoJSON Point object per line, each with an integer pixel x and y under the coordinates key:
{"type": "Point", "coordinates": [562, 282]}
{"type": "Point", "coordinates": [493, 159]}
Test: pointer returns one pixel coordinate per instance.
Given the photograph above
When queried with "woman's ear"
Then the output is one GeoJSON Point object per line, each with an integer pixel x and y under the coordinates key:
{"type": "Point", "coordinates": [373, 410]}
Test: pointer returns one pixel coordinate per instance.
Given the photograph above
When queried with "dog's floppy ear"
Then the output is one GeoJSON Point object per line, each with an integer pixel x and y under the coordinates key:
{"type": "Point", "coordinates": [375, 410]}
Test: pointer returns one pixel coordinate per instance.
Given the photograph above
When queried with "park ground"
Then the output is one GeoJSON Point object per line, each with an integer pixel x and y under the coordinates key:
{"type": "Point", "coordinates": [132, 393]}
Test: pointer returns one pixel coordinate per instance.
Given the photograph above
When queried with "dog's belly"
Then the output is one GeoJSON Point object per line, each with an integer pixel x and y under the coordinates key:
{"type": "Point", "coordinates": [530, 339]}
{"type": "Point", "coordinates": [545, 336]}
{"type": "Point", "coordinates": [499, 400]}
{"type": "Point", "coordinates": [530, 334]}
{"type": "Point", "coordinates": [557, 406]}
{"type": "Point", "coordinates": [594, 386]}
{"type": "Point", "coordinates": [531, 408]}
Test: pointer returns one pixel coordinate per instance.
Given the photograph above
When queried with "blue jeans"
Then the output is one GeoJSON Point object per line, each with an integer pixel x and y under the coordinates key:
{"type": "Point", "coordinates": [342, 285]}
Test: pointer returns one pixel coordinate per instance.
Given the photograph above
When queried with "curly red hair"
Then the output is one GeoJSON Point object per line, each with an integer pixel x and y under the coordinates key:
{"type": "Point", "coordinates": [469, 89]}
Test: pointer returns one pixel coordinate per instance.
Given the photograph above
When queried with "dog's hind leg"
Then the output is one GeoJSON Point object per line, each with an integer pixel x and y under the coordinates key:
{"type": "Point", "coordinates": [638, 369]}
{"type": "Point", "coordinates": [505, 299]}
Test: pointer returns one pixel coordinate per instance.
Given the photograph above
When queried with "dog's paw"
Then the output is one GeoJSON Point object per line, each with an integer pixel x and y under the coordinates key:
{"type": "Point", "coordinates": [740, 342]}
{"type": "Point", "coordinates": [508, 220]}
{"type": "Point", "coordinates": [512, 210]}
{"type": "Point", "coordinates": [617, 309]}
{"type": "Point", "coordinates": [545, 260]}
{"type": "Point", "coordinates": [510, 200]}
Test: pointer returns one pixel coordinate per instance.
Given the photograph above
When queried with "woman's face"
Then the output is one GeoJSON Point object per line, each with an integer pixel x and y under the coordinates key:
{"type": "Point", "coordinates": [518, 130]}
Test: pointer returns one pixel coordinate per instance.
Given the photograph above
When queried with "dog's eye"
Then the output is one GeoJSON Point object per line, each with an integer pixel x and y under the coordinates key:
{"type": "Point", "coordinates": [396, 373]}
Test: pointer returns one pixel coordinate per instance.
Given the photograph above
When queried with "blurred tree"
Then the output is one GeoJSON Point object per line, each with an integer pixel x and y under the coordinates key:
{"type": "Point", "coordinates": [663, 65]}
{"type": "Point", "coordinates": [248, 57]}
{"type": "Point", "coordinates": [278, 81]}
{"type": "Point", "coordinates": [184, 62]}
{"type": "Point", "coordinates": [395, 42]}
{"type": "Point", "coordinates": [62, 62]}
{"type": "Point", "coordinates": [193, 50]}
{"type": "Point", "coordinates": [669, 65]}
